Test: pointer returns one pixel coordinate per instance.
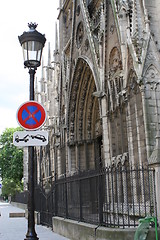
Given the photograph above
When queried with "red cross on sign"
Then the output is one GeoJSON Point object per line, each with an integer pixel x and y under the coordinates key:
{"type": "Point", "coordinates": [31, 115]}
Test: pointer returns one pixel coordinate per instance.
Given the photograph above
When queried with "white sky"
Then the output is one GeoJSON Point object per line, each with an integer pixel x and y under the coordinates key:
{"type": "Point", "coordinates": [14, 79]}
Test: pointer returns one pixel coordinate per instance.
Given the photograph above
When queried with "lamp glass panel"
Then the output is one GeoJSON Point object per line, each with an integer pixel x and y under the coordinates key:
{"type": "Point", "coordinates": [33, 50]}
{"type": "Point", "coordinates": [24, 49]}
{"type": "Point", "coordinates": [34, 46]}
{"type": "Point", "coordinates": [39, 54]}
{"type": "Point", "coordinates": [25, 57]}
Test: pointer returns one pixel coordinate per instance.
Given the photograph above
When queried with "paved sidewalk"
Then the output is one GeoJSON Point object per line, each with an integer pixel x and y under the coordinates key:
{"type": "Point", "coordinates": [16, 228]}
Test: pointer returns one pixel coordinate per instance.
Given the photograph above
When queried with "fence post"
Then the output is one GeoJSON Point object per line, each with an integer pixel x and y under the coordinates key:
{"type": "Point", "coordinates": [154, 161]}
{"type": "Point", "coordinates": [157, 190]}
{"type": "Point", "coordinates": [80, 201]}
{"type": "Point", "coordinates": [55, 196]}
{"type": "Point", "coordinates": [66, 196]}
{"type": "Point", "coordinates": [100, 194]}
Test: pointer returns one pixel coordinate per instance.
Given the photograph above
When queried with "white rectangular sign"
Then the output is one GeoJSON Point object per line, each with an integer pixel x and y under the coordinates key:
{"type": "Point", "coordinates": [30, 138]}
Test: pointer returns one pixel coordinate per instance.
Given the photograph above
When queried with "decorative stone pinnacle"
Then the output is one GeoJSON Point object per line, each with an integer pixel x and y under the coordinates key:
{"type": "Point", "coordinates": [32, 26]}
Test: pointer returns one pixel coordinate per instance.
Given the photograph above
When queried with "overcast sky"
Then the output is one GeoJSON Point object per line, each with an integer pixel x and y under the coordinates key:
{"type": "Point", "coordinates": [14, 79]}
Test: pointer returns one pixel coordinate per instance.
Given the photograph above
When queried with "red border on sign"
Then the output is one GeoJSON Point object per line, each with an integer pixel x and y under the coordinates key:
{"type": "Point", "coordinates": [23, 123]}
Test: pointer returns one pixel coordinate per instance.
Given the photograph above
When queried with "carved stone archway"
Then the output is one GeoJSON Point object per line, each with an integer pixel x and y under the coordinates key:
{"type": "Point", "coordinates": [84, 124]}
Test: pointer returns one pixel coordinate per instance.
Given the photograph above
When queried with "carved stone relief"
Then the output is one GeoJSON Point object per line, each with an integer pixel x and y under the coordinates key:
{"type": "Point", "coordinates": [86, 45]}
{"type": "Point", "coordinates": [78, 10]}
{"type": "Point", "coordinates": [130, 60]}
{"type": "Point", "coordinates": [132, 85]}
{"type": "Point", "coordinates": [151, 72]}
{"type": "Point", "coordinates": [116, 93]}
{"type": "Point", "coordinates": [112, 27]}
{"type": "Point", "coordinates": [115, 80]}
{"type": "Point", "coordinates": [114, 61]}
{"type": "Point", "coordinates": [79, 34]}
{"type": "Point", "coordinates": [96, 26]}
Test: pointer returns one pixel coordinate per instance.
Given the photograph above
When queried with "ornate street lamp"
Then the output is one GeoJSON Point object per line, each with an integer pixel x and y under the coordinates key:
{"type": "Point", "coordinates": [32, 43]}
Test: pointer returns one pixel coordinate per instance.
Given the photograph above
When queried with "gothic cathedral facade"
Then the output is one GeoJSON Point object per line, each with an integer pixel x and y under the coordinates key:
{"type": "Point", "coordinates": [102, 90]}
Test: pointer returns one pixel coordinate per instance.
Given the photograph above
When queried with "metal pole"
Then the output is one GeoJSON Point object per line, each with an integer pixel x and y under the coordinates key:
{"type": "Point", "coordinates": [31, 233]}
{"type": "Point", "coordinates": [32, 72]}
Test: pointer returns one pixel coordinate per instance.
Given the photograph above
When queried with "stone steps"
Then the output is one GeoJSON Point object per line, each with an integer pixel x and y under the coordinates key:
{"type": "Point", "coordinates": [17, 214]}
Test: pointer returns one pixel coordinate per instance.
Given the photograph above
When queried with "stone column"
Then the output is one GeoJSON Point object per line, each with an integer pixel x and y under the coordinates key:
{"type": "Point", "coordinates": [105, 124]}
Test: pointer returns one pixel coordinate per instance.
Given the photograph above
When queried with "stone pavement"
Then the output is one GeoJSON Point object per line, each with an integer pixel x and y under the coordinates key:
{"type": "Point", "coordinates": [16, 228]}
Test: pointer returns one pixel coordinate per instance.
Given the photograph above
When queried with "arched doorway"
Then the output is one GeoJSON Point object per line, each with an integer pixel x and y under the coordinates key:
{"type": "Point", "coordinates": [84, 123]}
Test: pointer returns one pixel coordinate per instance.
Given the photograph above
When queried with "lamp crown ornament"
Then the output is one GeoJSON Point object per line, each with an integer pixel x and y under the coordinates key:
{"type": "Point", "coordinates": [32, 25]}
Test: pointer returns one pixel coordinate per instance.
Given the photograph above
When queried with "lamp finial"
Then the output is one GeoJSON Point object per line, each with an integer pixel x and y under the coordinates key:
{"type": "Point", "coordinates": [32, 26]}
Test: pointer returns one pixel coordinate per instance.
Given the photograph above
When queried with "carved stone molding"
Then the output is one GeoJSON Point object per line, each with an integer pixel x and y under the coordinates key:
{"type": "Point", "coordinates": [82, 111]}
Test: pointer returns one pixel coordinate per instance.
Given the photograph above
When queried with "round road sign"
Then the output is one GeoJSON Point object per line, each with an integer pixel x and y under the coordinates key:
{"type": "Point", "coordinates": [31, 115]}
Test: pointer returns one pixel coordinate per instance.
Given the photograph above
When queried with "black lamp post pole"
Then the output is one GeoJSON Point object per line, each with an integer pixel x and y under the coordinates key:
{"type": "Point", "coordinates": [32, 72]}
{"type": "Point", "coordinates": [32, 43]}
{"type": "Point", "coordinates": [31, 233]}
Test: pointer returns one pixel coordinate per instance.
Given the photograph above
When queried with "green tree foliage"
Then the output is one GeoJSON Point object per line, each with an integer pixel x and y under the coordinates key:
{"type": "Point", "coordinates": [10, 187]}
{"type": "Point", "coordinates": [11, 160]}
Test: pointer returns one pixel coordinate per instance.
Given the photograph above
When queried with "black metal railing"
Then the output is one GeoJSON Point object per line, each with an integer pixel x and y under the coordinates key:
{"type": "Point", "coordinates": [45, 204]}
{"type": "Point", "coordinates": [112, 197]}
{"type": "Point", "coordinates": [20, 197]}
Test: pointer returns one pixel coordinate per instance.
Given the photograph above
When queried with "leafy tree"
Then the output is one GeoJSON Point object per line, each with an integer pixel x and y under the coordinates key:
{"type": "Point", "coordinates": [11, 160]}
{"type": "Point", "coordinates": [10, 187]}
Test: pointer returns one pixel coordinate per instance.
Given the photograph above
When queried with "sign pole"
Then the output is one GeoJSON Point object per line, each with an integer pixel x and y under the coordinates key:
{"type": "Point", "coordinates": [31, 233]}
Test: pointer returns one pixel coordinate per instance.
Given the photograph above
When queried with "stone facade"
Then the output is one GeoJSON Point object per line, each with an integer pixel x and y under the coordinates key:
{"type": "Point", "coordinates": [101, 90]}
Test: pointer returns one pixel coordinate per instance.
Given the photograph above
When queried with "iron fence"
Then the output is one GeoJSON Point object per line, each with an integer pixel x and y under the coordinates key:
{"type": "Point", "coordinates": [20, 197]}
{"type": "Point", "coordinates": [112, 197]}
{"type": "Point", "coordinates": [45, 204]}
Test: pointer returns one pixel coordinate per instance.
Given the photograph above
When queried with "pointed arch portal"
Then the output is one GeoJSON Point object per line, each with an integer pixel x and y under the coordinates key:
{"type": "Point", "coordinates": [84, 123]}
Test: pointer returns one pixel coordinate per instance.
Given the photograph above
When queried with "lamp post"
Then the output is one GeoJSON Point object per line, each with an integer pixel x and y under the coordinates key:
{"type": "Point", "coordinates": [32, 43]}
